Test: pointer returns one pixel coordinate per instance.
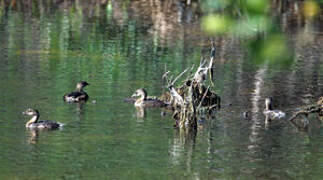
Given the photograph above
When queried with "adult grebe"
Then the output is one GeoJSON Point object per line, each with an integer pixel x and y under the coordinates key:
{"type": "Point", "coordinates": [78, 95]}
{"type": "Point", "coordinates": [34, 123]}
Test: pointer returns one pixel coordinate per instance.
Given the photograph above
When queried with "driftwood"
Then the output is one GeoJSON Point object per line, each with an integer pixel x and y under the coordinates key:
{"type": "Point", "coordinates": [314, 108]}
{"type": "Point", "coordinates": [192, 98]}
{"type": "Point", "coordinates": [304, 112]}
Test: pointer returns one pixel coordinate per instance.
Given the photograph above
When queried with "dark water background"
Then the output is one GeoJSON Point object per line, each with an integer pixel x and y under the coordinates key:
{"type": "Point", "coordinates": [119, 47]}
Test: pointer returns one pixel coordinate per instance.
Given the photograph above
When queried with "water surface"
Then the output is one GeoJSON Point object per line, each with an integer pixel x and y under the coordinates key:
{"type": "Point", "coordinates": [118, 48]}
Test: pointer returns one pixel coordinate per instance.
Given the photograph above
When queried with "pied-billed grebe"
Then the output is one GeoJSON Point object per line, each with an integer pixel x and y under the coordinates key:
{"type": "Point", "coordinates": [144, 101]}
{"type": "Point", "coordinates": [34, 123]}
{"type": "Point", "coordinates": [270, 113]}
{"type": "Point", "coordinates": [78, 95]}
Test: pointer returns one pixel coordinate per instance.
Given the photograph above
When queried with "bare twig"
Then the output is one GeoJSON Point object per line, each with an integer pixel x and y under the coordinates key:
{"type": "Point", "coordinates": [179, 76]}
{"type": "Point", "coordinates": [203, 97]}
{"type": "Point", "coordinates": [211, 70]}
{"type": "Point", "coordinates": [297, 114]}
{"type": "Point", "coordinates": [177, 98]}
{"type": "Point", "coordinates": [189, 74]}
{"type": "Point", "coordinates": [165, 75]}
{"type": "Point", "coordinates": [212, 49]}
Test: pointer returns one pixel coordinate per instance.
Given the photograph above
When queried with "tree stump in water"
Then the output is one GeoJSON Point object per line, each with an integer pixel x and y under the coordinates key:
{"type": "Point", "coordinates": [191, 99]}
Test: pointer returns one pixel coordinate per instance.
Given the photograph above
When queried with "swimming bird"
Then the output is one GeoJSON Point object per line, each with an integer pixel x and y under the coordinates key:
{"type": "Point", "coordinates": [77, 95]}
{"type": "Point", "coordinates": [144, 101]}
{"type": "Point", "coordinates": [34, 123]}
{"type": "Point", "coordinates": [270, 113]}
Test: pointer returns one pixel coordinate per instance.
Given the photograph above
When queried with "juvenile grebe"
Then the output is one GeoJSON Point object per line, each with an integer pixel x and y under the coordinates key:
{"type": "Point", "coordinates": [270, 113]}
{"type": "Point", "coordinates": [143, 101]}
{"type": "Point", "coordinates": [34, 123]}
{"type": "Point", "coordinates": [78, 94]}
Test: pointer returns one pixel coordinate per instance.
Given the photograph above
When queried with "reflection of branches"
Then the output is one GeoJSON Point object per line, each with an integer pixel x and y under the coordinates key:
{"type": "Point", "coordinates": [183, 140]}
{"type": "Point", "coordinates": [304, 112]}
{"type": "Point", "coordinates": [303, 126]}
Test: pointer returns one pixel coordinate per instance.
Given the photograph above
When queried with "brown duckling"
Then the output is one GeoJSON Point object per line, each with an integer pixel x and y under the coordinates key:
{"type": "Point", "coordinates": [77, 95]}
{"type": "Point", "coordinates": [144, 101]}
{"type": "Point", "coordinates": [34, 123]}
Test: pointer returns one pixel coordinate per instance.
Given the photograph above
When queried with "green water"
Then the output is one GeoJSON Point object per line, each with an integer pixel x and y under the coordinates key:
{"type": "Point", "coordinates": [44, 53]}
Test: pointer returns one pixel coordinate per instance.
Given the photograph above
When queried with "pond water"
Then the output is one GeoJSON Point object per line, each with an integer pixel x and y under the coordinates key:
{"type": "Point", "coordinates": [44, 52]}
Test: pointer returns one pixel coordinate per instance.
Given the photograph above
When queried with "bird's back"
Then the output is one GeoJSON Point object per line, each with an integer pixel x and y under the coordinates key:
{"type": "Point", "coordinates": [75, 96]}
{"type": "Point", "coordinates": [45, 124]}
{"type": "Point", "coordinates": [153, 103]}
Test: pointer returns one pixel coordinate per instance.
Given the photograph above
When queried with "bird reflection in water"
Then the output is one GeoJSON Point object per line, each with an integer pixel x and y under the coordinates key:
{"type": "Point", "coordinates": [140, 112]}
{"type": "Point", "coordinates": [33, 138]}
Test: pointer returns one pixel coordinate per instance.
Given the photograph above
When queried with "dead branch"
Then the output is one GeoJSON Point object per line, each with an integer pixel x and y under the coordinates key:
{"type": "Point", "coordinates": [178, 100]}
{"type": "Point", "coordinates": [203, 97]}
{"type": "Point", "coordinates": [179, 76]}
